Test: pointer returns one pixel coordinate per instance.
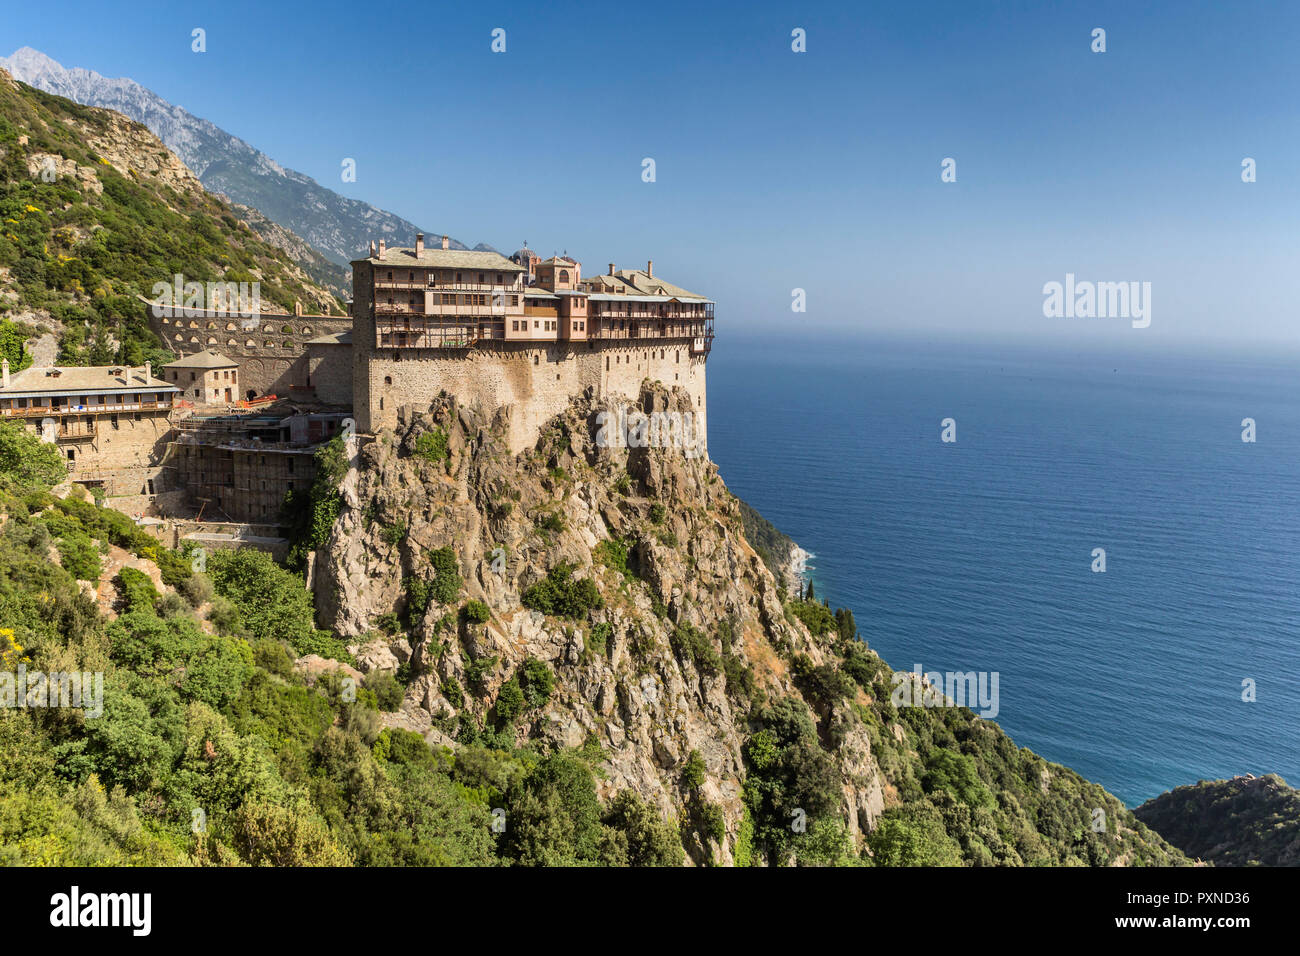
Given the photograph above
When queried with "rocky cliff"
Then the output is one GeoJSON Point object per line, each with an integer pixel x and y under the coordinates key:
{"type": "Point", "coordinates": [673, 653]}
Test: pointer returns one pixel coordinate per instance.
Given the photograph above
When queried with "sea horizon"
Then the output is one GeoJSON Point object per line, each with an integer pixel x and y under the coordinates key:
{"type": "Point", "coordinates": [977, 554]}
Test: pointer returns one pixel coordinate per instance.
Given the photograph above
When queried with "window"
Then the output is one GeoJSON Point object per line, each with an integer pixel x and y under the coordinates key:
{"type": "Point", "coordinates": [388, 380]}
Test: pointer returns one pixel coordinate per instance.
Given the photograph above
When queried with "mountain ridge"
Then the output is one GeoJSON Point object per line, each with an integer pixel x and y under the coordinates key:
{"type": "Point", "coordinates": [338, 226]}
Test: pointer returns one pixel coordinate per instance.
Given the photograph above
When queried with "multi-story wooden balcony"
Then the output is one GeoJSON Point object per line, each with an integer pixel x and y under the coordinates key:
{"type": "Point", "coordinates": [607, 328]}
{"type": "Point", "coordinates": [432, 332]}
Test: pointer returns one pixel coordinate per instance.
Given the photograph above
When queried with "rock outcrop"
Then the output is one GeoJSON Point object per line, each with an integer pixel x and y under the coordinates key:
{"type": "Point", "coordinates": [659, 536]}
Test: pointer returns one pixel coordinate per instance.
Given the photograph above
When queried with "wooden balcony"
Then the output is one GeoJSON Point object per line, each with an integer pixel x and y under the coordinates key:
{"type": "Point", "coordinates": [47, 411]}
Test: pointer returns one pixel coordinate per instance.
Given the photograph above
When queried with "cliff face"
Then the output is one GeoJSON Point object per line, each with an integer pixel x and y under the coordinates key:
{"type": "Point", "coordinates": [643, 696]}
{"type": "Point", "coordinates": [625, 574]}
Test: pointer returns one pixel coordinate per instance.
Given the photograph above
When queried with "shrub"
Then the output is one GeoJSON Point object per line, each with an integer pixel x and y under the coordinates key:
{"type": "Point", "coordinates": [657, 513]}
{"type": "Point", "coordinates": [446, 575]}
{"type": "Point", "coordinates": [432, 446]}
{"type": "Point", "coordinates": [510, 702]}
{"type": "Point", "coordinates": [550, 522]}
{"type": "Point", "coordinates": [79, 556]}
{"type": "Point", "coordinates": [452, 691]}
{"type": "Point", "coordinates": [598, 639]}
{"type": "Point", "coordinates": [26, 462]}
{"type": "Point", "coordinates": [690, 644]}
{"type": "Point", "coordinates": [386, 688]}
{"type": "Point", "coordinates": [693, 772]}
{"type": "Point", "coordinates": [476, 612]}
{"type": "Point", "coordinates": [538, 682]}
{"type": "Point", "coordinates": [614, 554]}
{"type": "Point", "coordinates": [816, 617]}
{"type": "Point", "coordinates": [559, 595]}
{"type": "Point", "coordinates": [136, 590]}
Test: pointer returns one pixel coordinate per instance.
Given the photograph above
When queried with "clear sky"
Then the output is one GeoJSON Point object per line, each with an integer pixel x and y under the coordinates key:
{"type": "Point", "coordinates": [778, 170]}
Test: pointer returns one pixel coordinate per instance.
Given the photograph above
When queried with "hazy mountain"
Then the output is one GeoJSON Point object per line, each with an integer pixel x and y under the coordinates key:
{"type": "Point", "coordinates": [337, 226]}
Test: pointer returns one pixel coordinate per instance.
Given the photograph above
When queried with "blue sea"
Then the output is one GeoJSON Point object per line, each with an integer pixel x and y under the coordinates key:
{"type": "Point", "coordinates": [978, 554]}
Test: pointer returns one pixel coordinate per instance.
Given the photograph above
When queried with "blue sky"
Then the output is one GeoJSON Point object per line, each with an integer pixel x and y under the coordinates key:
{"type": "Point", "coordinates": [778, 170]}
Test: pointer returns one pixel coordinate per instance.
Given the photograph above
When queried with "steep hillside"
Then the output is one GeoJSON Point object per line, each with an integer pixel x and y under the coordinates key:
{"type": "Point", "coordinates": [621, 683]}
{"type": "Point", "coordinates": [336, 225]}
{"type": "Point", "coordinates": [1245, 821]}
{"type": "Point", "coordinates": [605, 603]}
{"type": "Point", "coordinates": [96, 211]}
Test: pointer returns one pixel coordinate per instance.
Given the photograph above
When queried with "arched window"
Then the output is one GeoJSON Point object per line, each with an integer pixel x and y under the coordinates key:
{"type": "Point", "coordinates": [230, 326]}
{"type": "Point", "coordinates": [564, 275]}
{"type": "Point", "coordinates": [388, 380]}
{"type": "Point", "coordinates": [306, 330]}
{"type": "Point", "coordinates": [249, 343]}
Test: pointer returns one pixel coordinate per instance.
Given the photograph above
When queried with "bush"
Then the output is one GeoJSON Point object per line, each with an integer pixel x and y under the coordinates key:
{"type": "Point", "coordinates": [693, 773]}
{"type": "Point", "coordinates": [559, 595]}
{"type": "Point", "coordinates": [79, 556]}
{"type": "Point", "coordinates": [598, 639]}
{"type": "Point", "coordinates": [510, 702]}
{"type": "Point", "coordinates": [816, 617]}
{"type": "Point", "coordinates": [614, 554]}
{"type": "Point", "coordinates": [386, 688]}
{"type": "Point", "coordinates": [476, 612]}
{"type": "Point", "coordinates": [136, 590]}
{"type": "Point", "coordinates": [432, 446]}
{"type": "Point", "coordinates": [446, 576]}
{"type": "Point", "coordinates": [26, 462]}
{"type": "Point", "coordinates": [538, 682]}
{"type": "Point", "coordinates": [690, 644]}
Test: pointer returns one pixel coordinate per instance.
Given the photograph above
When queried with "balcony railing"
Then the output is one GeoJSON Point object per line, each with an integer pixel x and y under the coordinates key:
{"type": "Point", "coordinates": [44, 411]}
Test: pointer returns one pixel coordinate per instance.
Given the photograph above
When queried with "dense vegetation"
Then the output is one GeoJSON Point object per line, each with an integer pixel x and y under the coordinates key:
{"type": "Point", "coordinates": [211, 748]}
{"type": "Point", "coordinates": [88, 257]}
{"type": "Point", "coordinates": [772, 545]}
{"type": "Point", "coordinates": [1245, 821]}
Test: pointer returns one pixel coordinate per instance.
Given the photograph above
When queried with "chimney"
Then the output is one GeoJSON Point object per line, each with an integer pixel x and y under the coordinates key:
{"type": "Point", "coordinates": [611, 268]}
{"type": "Point", "coordinates": [4, 369]}
{"type": "Point", "coordinates": [381, 248]}
{"type": "Point", "coordinates": [148, 372]}
{"type": "Point", "coordinates": [419, 244]}
{"type": "Point", "coordinates": [650, 268]}
{"type": "Point", "coordinates": [446, 244]}
{"type": "Point", "coordinates": [297, 307]}
{"type": "Point", "coordinates": [372, 248]}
